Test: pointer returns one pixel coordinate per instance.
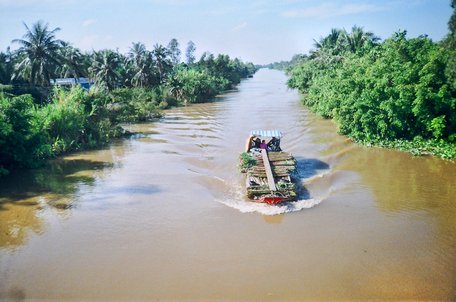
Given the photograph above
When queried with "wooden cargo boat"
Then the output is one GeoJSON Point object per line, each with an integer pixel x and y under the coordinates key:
{"type": "Point", "coordinates": [270, 171]}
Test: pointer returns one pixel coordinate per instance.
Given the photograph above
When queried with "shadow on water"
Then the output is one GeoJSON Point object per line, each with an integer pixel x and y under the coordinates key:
{"type": "Point", "coordinates": [306, 168]}
{"type": "Point", "coordinates": [13, 295]}
{"type": "Point", "coordinates": [59, 177]}
{"type": "Point", "coordinates": [24, 194]}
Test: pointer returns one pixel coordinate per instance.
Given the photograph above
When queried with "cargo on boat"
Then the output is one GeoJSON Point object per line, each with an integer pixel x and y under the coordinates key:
{"type": "Point", "coordinates": [270, 171]}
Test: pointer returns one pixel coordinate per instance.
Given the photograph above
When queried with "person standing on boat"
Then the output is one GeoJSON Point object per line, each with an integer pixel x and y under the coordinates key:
{"type": "Point", "coordinates": [263, 145]}
{"type": "Point", "coordinates": [274, 145]}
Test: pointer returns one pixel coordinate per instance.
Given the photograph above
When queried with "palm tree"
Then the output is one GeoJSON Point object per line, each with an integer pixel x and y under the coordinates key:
{"type": "Point", "coordinates": [332, 43]}
{"type": "Point", "coordinates": [451, 38]}
{"type": "Point", "coordinates": [140, 60]}
{"type": "Point", "coordinates": [358, 39]}
{"type": "Point", "coordinates": [39, 48]}
{"type": "Point", "coordinates": [104, 68]}
{"type": "Point", "coordinates": [72, 62]}
{"type": "Point", "coordinates": [6, 66]}
{"type": "Point", "coordinates": [162, 61]}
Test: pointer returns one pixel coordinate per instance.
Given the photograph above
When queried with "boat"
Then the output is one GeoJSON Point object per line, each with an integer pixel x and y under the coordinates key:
{"type": "Point", "coordinates": [270, 172]}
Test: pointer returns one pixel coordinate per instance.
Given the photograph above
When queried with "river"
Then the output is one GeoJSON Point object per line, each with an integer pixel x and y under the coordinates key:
{"type": "Point", "coordinates": [162, 215]}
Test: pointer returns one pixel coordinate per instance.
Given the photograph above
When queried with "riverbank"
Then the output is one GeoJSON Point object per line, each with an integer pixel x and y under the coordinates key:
{"type": "Point", "coordinates": [75, 119]}
{"type": "Point", "coordinates": [400, 93]}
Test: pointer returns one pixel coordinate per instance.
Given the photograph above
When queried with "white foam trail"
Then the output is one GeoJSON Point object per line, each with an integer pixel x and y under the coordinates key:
{"type": "Point", "coordinates": [237, 201]}
{"type": "Point", "coordinates": [265, 209]}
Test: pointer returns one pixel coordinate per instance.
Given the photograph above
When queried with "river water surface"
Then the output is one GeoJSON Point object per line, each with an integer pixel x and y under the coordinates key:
{"type": "Point", "coordinates": [162, 215]}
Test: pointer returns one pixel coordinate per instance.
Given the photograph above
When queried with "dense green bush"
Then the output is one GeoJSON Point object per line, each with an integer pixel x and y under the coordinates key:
{"type": "Point", "coordinates": [396, 91]}
{"type": "Point", "coordinates": [138, 104]}
{"type": "Point", "coordinates": [21, 142]}
{"type": "Point", "coordinates": [73, 119]}
{"type": "Point", "coordinates": [63, 120]}
{"type": "Point", "coordinates": [195, 86]}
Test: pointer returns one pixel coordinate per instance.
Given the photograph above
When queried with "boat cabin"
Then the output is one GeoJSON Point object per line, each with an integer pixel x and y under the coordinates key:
{"type": "Point", "coordinates": [264, 139]}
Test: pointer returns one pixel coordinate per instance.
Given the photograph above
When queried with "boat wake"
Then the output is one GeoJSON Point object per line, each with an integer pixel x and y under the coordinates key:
{"type": "Point", "coordinates": [265, 209]}
{"type": "Point", "coordinates": [238, 201]}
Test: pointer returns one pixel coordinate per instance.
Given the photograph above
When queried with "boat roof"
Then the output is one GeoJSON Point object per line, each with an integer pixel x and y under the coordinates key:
{"type": "Point", "coordinates": [266, 133]}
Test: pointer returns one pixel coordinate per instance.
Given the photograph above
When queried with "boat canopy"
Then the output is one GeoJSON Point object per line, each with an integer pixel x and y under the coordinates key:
{"type": "Point", "coordinates": [266, 133]}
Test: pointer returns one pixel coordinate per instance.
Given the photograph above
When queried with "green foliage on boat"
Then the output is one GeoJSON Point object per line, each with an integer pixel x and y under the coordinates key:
{"type": "Point", "coordinates": [246, 161]}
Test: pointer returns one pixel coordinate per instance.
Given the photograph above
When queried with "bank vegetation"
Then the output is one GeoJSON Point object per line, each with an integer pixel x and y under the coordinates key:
{"type": "Point", "coordinates": [400, 92]}
{"type": "Point", "coordinates": [39, 120]}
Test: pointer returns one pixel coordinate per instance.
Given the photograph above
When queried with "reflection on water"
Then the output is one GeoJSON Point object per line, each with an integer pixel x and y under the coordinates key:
{"type": "Point", "coordinates": [16, 220]}
{"type": "Point", "coordinates": [26, 194]}
{"type": "Point", "coordinates": [402, 182]}
{"type": "Point", "coordinates": [163, 215]}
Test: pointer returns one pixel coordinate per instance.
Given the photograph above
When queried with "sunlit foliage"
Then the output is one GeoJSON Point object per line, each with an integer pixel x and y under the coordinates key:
{"type": "Point", "coordinates": [38, 121]}
{"type": "Point", "coordinates": [387, 93]}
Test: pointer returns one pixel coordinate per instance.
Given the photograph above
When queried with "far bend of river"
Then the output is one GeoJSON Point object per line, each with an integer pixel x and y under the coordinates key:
{"type": "Point", "coordinates": [162, 215]}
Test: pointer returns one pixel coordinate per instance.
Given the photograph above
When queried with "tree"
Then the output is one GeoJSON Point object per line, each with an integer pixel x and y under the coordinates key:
{"type": "Point", "coordinates": [340, 41]}
{"type": "Point", "coordinates": [72, 62]}
{"type": "Point", "coordinates": [192, 86]}
{"type": "Point", "coordinates": [452, 24]}
{"type": "Point", "coordinates": [359, 39]}
{"type": "Point", "coordinates": [332, 43]}
{"type": "Point", "coordinates": [450, 44]}
{"type": "Point", "coordinates": [162, 61]}
{"type": "Point", "coordinates": [104, 68]}
{"type": "Point", "coordinates": [6, 67]}
{"type": "Point", "coordinates": [141, 64]}
{"type": "Point", "coordinates": [41, 54]}
{"type": "Point", "coordinates": [190, 52]}
{"type": "Point", "coordinates": [174, 51]}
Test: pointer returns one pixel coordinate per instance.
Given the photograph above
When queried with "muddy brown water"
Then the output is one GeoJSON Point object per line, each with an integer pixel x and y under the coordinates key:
{"type": "Point", "coordinates": [162, 216]}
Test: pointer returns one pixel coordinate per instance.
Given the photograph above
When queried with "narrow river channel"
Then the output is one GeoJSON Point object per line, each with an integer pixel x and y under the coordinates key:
{"type": "Point", "coordinates": [162, 215]}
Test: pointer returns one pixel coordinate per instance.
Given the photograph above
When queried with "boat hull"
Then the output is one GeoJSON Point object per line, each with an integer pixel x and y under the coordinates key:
{"type": "Point", "coordinates": [274, 200]}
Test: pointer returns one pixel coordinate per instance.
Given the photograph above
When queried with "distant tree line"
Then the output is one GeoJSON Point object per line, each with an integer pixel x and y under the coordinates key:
{"type": "Point", "coordinates": [400, 92]}
{"type": "Point", "coordinates": [38, 121]}
{"type": "Point", "coordinates": [286, 65]}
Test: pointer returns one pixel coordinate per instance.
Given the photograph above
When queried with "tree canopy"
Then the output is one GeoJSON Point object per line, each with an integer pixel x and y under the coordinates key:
{"type": "Point", "coordinates": [38, 121]}
{"type": "Point", "coordinates": [399, 92]}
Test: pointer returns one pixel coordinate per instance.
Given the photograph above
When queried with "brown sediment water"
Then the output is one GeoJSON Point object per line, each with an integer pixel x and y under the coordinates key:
{"type": "Point", "coordinates": [162, 215]}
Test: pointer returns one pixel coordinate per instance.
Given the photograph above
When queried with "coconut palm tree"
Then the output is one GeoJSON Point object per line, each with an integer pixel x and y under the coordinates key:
{"type": "Point", "coordinates": [104, 68]}
{"type": "Point", "coordinates": [6, 66]}
{"type": "Point", "coordinates": [162, 61]}
{"type": "Point", "coordinates": [141, 65]}
{"type": "Point", "coordinates": [332, 43]}
{"type": "Point", "coordinates": [358, 39]}
{"type": "Point", "coordinates": [72, 62]}
{"type": "Point", "coordinates": [39, 48]}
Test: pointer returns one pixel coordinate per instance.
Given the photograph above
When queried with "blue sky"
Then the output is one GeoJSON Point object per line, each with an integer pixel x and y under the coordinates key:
{"type": "Point", "coordinates": [260, 31]}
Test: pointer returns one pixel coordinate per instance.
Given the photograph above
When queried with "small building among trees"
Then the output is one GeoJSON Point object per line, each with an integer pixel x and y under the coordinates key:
{"type": "Point", "coordinates": [69, 82]}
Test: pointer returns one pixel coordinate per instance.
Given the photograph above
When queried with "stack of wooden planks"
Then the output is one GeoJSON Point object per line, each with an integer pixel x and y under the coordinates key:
{"type": "Point", "coordinates": [282, 165]}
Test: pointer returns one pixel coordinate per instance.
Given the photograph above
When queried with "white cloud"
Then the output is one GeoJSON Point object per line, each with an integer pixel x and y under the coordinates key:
{"type": "Point", "coordinates": [88, 22]}
{"type": "Point", "coordinates": [239, 27]}
{"type": "Point", "coordinates": [326, 10]}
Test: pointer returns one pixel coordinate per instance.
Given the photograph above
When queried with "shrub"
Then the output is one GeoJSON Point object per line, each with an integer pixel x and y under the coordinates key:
{"type": "Point", "coordinates": [20, 139]}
